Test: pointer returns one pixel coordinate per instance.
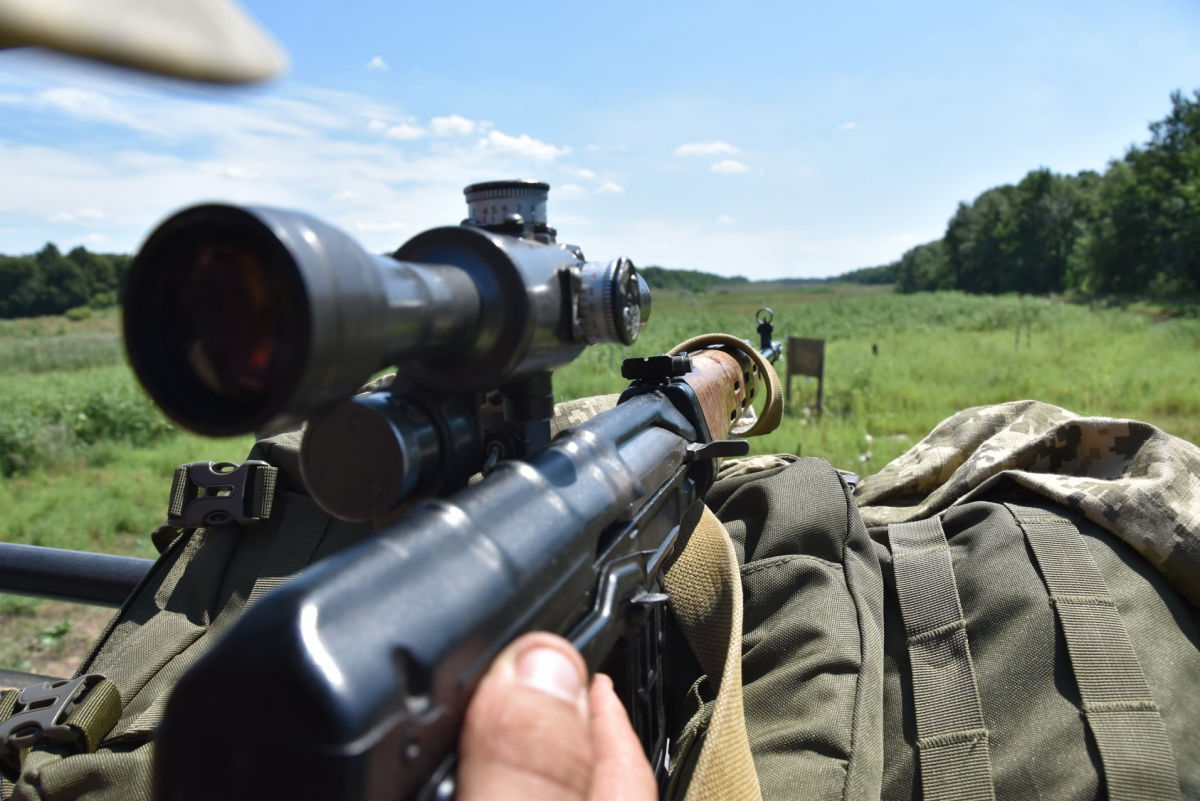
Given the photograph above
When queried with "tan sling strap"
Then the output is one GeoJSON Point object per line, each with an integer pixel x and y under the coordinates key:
{"type": "Point", "coordinates": [952, 740]}
{"type": "Point", "coordinates": [706, 596]}
{"type": "Point", "coordinates": [1124, 719]}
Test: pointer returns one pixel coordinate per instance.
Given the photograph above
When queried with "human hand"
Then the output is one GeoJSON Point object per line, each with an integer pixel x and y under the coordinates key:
{"type": "Point", "coordinates": [536, 731]}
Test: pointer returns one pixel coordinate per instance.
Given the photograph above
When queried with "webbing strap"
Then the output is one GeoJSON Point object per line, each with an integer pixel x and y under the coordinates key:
{"type": "Point", "coordinates": [705, 586]}
{"type": "Point", "coordinates": [300, 533]}
{"type": "Point", "coordinates": [61, 716]}
{"type": "Point", "coordinates": [952, 740]}
{"type": "Point", "coordinates": [1121, 711]}
{"type": "Point", "coordinates": [8, 702]}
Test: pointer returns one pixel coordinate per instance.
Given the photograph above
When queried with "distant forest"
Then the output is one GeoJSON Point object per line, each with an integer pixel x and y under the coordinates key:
{"type": "Point", "coordinates": [1135, 229]}
{"type": "Point", "coordinates": [47, 282]}
{"type": "Point", "coordinates": [694, 280]}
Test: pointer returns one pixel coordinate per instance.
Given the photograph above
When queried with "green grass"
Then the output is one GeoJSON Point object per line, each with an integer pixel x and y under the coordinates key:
{"type": "Point", "coordinates": [66, 353]}
{"type": "Point", "coordinates": [109, 498]}
{"type": "Point", "coordinates": [937, 354]}
{"type": "Point", "coordinates": [86, 461]}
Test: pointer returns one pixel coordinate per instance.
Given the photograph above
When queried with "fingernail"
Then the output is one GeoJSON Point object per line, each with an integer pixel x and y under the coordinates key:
{"type": "Point", "coordinates": [551, 672]}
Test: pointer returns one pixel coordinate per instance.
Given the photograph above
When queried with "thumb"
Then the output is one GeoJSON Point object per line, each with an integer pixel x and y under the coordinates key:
{"type": "Point", "coordinates": [526, 734]}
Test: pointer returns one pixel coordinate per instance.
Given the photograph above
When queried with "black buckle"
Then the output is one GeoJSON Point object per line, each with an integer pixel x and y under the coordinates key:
{"type": "Point", "coordinates": [217, 493]}
{"type": "Point", "coordinates": [40, 713]}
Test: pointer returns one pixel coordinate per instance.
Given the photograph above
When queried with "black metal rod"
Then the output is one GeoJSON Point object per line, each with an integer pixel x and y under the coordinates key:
{"type": "Point", "coordinates": [62, 575]}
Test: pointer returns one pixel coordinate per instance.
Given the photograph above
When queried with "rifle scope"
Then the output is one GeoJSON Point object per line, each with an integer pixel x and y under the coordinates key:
{"type": "Point", "coordinates": [249, 319]}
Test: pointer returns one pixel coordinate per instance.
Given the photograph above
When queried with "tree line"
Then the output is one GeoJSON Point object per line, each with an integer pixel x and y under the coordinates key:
{"type": "Point", "coordinates": [691, 280]}
{"type": "Point", "coordinates": [1135, 229]}
{"type": "Point", "coordinates": [48, 282]}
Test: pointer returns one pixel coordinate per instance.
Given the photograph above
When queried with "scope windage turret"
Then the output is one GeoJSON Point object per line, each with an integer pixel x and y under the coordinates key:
{"type": "Point", "coordinates": [241, 319]}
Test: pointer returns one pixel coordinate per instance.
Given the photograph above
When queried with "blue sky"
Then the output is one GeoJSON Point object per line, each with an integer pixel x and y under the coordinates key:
{"type": "Point", "coordinates": [761, 139]}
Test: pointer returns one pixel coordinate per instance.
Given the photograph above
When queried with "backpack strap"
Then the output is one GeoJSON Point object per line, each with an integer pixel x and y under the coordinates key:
{"type": "Point", "coordinates": [305, 523]}
{"type": "Point", "coordinates": [1121, 711]}
{"type": "Point", "coordinates": [952, 740]}
{"type": "Point", "coordinates": [66, 715]}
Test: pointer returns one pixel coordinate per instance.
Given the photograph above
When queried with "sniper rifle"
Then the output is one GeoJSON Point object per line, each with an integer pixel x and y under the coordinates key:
{"type": "Point", "coordinates": [351, 680]}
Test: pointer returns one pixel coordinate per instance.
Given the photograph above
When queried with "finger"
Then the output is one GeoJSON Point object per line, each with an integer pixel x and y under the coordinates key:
{"type": "Point", "coordinates": [621, 771]}
{"type": "Point", "coordinates": [526, 731]}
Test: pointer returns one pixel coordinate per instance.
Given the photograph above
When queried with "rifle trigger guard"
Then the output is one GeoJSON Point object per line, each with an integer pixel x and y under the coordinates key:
{"type": "Point", "coordinates": [717, 449]}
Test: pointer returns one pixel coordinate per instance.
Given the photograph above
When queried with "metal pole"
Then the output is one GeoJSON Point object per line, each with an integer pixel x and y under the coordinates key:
{"type": "Point", "coordinates": [62, 575]}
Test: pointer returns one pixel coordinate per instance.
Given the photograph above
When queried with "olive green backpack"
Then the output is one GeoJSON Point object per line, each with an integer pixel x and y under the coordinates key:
{"type": "Point", "coordinates": [1006, 611]}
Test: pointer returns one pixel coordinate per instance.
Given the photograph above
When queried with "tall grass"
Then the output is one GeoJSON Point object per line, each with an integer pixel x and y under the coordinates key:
{"type": "Point", "coordinates": [63, 353]}
{"type": "Point", "coordinates": [937, 354]}
{"type": "Point", "coordinates": [50, 417]}
{"type": "Point", "coordinates": [86, 460]}
{"type": "Point", "coordinates": [107, 499]}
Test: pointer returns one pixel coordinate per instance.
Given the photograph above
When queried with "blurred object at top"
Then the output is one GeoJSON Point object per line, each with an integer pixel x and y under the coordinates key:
{"type": "Point", "coordinates": [201, 40]}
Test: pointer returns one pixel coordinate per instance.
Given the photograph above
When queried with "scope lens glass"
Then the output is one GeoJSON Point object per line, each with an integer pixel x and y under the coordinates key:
{"type": "Point", "coordinates": [230, 327]}
{"type": "Point", "coordinates": [220, 326]}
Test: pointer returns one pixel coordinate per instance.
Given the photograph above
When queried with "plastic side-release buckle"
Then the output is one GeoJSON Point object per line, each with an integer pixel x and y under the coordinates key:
{"type": "Point", "coordinates": [41, 713]}
{"type": "Point", "coordinates": [218, 493]}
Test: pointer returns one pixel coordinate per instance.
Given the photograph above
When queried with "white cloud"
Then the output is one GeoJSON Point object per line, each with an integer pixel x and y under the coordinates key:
{"type": "Point", "coordinates": [608, 187]}
{"type": "Point", "coordinates": [904, 239]}
{"type": "Point", "coordinates": [587, 175]}
{"type": "Point", "coordinates": [729, 167]}
{"type": "Point", "coordinates": [848, 126]}
{"type": "Point", "coordinates": [705, 149]}
{"type": "Point", "coordinates": [523, 145]}
{"type": "Point", "coordinates": [87, 105]}
{"type": "Point", "coordinates": [405, 131]}
{"type": "Point", "coordinates": [449, 126]}
{"type": "Point", "coordinates": [568, 190]}
{"type": "Point", "coordinates": [377, 126]}
{"type": "Point", "coordinates": [80, 215]}
{"type": "Point", "coordinates": [236, 173]}
{"type": "Point", "coordinates": [725, 219]}
{"type": "Point", "coordinates": [377, 63]}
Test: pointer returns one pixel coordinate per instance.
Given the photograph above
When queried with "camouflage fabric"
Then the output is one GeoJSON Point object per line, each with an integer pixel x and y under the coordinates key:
{"type": "Point", "coordinates": [572, 413]}
{"type": "Point", "coordinates": [1134, 480]}
{"type": "Point", "coordinates": [733, 468]}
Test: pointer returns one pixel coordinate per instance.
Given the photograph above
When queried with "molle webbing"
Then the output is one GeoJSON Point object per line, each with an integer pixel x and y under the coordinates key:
{"type": "Point", "coordinates": [1123, 716]}
{"type": "Point", "coordinates": [304, 523]}
{"type": "Point", "coordinates": [952, 740]}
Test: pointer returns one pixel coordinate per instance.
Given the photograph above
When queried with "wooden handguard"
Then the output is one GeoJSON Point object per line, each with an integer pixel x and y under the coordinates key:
{"type": "Point", "coordinates": [752, 367]}
{"type": "Point", "coordinates": [719, 382]}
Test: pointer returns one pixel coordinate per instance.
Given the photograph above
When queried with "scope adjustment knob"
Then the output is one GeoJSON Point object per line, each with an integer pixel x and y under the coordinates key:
{"type": "Point", "coordinates": [613, 302]}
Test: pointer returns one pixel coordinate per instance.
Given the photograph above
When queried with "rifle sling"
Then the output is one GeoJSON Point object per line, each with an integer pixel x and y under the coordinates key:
{"type": "Point", "coordinates": [706, 596]}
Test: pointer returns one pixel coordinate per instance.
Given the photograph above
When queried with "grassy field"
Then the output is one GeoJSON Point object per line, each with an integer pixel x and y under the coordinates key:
{"type": "Point", "coordinates": [86, 461]}
{"type": "Point", "coordinates": [896, 365]}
